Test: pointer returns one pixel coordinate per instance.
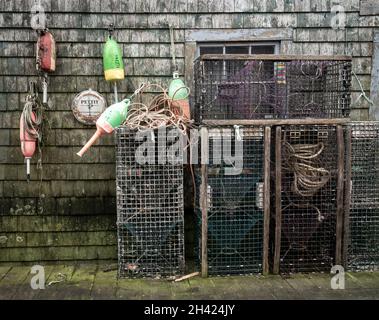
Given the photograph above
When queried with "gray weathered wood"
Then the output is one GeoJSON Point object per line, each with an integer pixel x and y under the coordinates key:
{"type": "Point", "coordinates": [210, 35]}
{"type": "Point", "coordinates": [278, 198]}
{"type": "Point", "coordinates": [280, 57]}
{"type": "Point", "coordinates": [346, 224]}
{"type": "Point", "coordinates": [374, 92]}
{"type": "Point", "coordinates": [266, 199]}
{"type": "Point", "coordinates": [340, 193]}
{"type": "Point", "coordinates": [369, 7]}
{"type": "Point", "coordinates": [273, 122]}
{"type": "Point", "coordinates": [204, 202]}
{"type": "Point", "coordinates": [190, 52]}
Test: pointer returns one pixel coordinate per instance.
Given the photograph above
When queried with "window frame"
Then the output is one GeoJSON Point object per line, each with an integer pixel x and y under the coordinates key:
{"type": "Point", "coordinates": [250, 44]}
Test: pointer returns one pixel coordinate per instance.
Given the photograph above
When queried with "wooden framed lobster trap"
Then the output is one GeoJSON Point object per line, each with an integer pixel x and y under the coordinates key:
{"type": "Point", "coordinates": [150, 213]}
{"type": "Point", "coordinates": [231, 207]}
{"type": "Point", "coordinates": [236, 86]}
{"type": "Point", "coordinates": [361, 246]}
{"type": "Point", "coordinates": [308, 210]}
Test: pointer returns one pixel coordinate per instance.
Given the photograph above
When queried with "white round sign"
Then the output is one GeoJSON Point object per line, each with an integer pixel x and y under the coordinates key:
{"type": "Point", "coordinates": [87, 106]}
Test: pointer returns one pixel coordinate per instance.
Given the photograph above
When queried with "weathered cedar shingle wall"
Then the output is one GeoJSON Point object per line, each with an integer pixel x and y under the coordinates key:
{"type": "Point", "coordinates": [75, 217]}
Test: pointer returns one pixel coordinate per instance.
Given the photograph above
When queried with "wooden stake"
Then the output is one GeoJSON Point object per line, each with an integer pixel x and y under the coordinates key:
{"type": "Point", "coordinates": [278, 198]}
{"type": "Point", "coordinates": [204, 202]}
{"type": "Point", "coordinates": [188, 276]}
{"type": "Point", "coordinates": [346, 225]}
{"type": "Point", "coordinates": [340, 190]}
{"type": "Point", "coordinates": [266, 199]}
{"type": "Point", "coordinates": [276, 122]}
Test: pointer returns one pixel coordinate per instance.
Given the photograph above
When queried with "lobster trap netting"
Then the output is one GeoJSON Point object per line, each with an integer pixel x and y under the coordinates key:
{"type": "Point", "coordinates": [150, 213]}
{"type": "Point", "coordinates": [308, 206]}
{"type": "Point", "coordinates": [363, 227]}
{"type": "Point", "coordinates": [234, 200]}
{"type": "Point", "coordinates": [235, 87]}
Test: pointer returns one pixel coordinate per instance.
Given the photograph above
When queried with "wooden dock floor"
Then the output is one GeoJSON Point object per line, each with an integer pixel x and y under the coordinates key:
{"type": "Point", "coordinates": [89, 281]}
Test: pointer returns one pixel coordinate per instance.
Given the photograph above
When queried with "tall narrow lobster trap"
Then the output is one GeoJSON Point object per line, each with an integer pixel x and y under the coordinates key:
{"type": "Point", "coordinates": [271, 86]}
{"type": "Point", "coordinates": [150, 218]}
{"type": "Point", "coordinates": [309, 169]}
{"type": "Point", "coordinates": [231, 209]}
{"type": "Point", "coordinates": [362, 224]}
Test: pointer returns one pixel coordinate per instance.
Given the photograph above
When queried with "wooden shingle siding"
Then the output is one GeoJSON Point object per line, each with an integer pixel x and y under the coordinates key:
{"type": "Point", "coordinates": [72, 213]}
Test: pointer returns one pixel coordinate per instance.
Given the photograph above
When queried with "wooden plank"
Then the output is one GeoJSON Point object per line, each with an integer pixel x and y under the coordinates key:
{"type": "Point", "coordinates": [137, 289]}
{"type": "Point", "coordinates": [204, 221]}
{"type": "Point", "coordinates": [275, 122]}
{"type": "Point", "coordinates": [58, 253]}
{"type": "Point", "coordinates": [180, 290]}
{"type": "Point", "coordinates": [57, 223]}
{"type": "Point", "coordinates": [3, 271]}
{"type": "Point", "coordinates": [105, 284]}
{"type": "Point", "coordinates": [278, 198]}
{"type": "Point", "coordinates": [279, 288]}
{"type": "Point", "coordinates": [82, 281]}
{"type": "Point", "coordinates": [190, 52]}
{"type": "Point", "coordinates": [12, 280]}
{"type": "Point", "coordinates": [256, 288]}
{"type": "Point", "coordinates": [277, 57]}
{"type": "Point", "coordinates": [374, 90]}
{"type": "Point", "coordinates": [58, 239]}
{"type": "Point", "coordinates": [369, 7]}
{"type": "Point", "coordinates": [346, 224]}
{"type": "Point", "coordinates": [250, 34]}
{"type": "Point", "coordinates": [340, 191]}
{"type": "Point", "coordinates": [58, 283]}
{"type": "Point", "coordinates": [204, 202]}
{"type": "Point", "coordinates": [266, 199]}
{"type": "Point", "coordinates": [24, 290]}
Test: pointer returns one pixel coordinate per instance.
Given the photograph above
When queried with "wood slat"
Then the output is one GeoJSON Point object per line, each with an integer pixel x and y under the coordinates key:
{"type": "Point", "coordinates": [276, 57]}
{"type": "Point", "coordinates": [278, 198]}
{"type": "Point", "coordinates": [275, 122]}
{"type": "Point", "coordinates": [340, 192]}
{"type": "Point", "coordinates": [266, 199]}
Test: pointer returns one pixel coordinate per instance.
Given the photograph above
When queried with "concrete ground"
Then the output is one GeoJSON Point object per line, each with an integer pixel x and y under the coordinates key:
{"type": "Point", "coordinates": [89, 281]}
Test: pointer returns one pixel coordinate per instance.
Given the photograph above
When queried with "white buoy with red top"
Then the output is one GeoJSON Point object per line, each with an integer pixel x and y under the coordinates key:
{"type": "Point", "coordinates": [30, 126]}
{"type": "Point", "coordinates": [28, 141]}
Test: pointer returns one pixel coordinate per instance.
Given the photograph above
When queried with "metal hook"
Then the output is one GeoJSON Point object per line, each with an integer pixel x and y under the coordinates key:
{"type": "Point", "coordinates": [33, 88]}
{"type": "Point", "coordinates": [111, 30]}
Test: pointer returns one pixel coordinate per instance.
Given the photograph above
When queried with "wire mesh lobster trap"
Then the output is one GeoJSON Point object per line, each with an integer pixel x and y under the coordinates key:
{"type": "Point", "coordinates": [271, 86]}
{"type": "Point", "coordinates": [150, 213]}
{"type": "Point", "coordinates": [362, 224]}
{"type": "Point", "coordinates": [230, 203]}
{"type": "Point", "coordinates": [309, 168]}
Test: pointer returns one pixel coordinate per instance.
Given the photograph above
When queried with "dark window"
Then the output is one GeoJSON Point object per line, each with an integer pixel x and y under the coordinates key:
{"type": "Point", "coordinates": [237, 50]}
{"type": "Point", "coordinates": [211, 50]}
{"type": "Point", "coordinates": [262, 49]}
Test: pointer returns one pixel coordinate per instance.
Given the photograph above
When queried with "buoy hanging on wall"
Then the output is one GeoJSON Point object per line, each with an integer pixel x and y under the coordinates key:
{"type": "Point", "coordinates": [177, 90]}
{"type": "Point", "coordinates": [46, 56]}
{"type": "Point", "coordinates": [179, 93]}
{"type": "Point", "coordinates": [46, 52]}
{"type": "Point", "coordinates": [112, 61]}
{"type": "Point", "coordinates": [109, 120]}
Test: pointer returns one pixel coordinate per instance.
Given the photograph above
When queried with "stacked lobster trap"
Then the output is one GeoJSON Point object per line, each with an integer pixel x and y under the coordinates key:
{"type": "Point", "coordinates": [301, 103]}
{"type": "Point", "coordinates": [271, 87]}
{"type": "Point", "coordinates": [230, 200]}
{"type": "Point", "coordinates": [362, 224]}
{"type": "Point", "coordinates": [309, 197]}
{"type": "Point", "coordinates": [150, 218]}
